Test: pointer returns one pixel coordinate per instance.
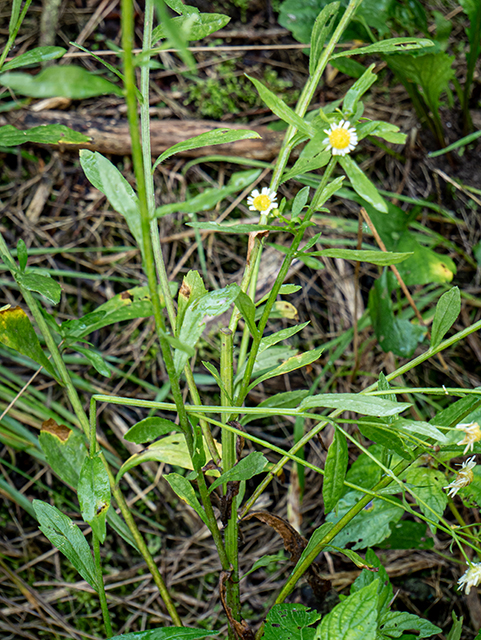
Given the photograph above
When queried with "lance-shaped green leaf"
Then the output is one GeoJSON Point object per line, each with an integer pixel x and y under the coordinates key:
{"type": "Point", "coordinates": [196, 25]}
{"type": "Point", "coordinates": [385, 130]}
{"type": "Point", "coordinates": [383, 434]}
{"type": "Point", "coordinates": [17, 333]}
{"type": "Point", "coordinates": [211, 304]}
{"type": "Point", "coordinates": [329, 190]}
{"type": "Point", "coordinates": [356, 402]}
{"type": "Point", "coordinates": [381, 258]}
{"type": "Point", "coordinates": [391, 45]}
{"type": "Point", "coordinates": [428, 484]}
{"type": "Point", "coordinates": [245, 469]}
{"type": "Point", "coordinates": [10, 136]}
{"type": "Point", "coordinates": [167, 633]}
{"type": "Point", "coordinates": [183, 488]}
{"type": "Point", "coordinates": [68, 539]}
{"type": "Point", "coordinates": [95, 359]}
{"type": "Point", "coordinates": [293, 363]}
{"type": "Point", "coordinates": [281, 110]}
{"type": "Point", "coordinates": [355, 618]}
{"type": "Point", "coordinates": [94, 495]}
{"type": "Point", "coordinates": [149, 429]}
{"type": "Point", "coordinates": [357, 90]}
{"type": "Point", "coordinates": [335, 471]}
{"type": "Point", "coordinates": [14, 15]}
{"type": "Point", "coordinates": [64, 449]}
{"type": "Point", "coordinates": [22, 254]}
{"type": "Point", "coordinates": [68, 81]}
{"type": "Point", "coordinates": [107, 178]}
{"type": "Point", "coordinates": [217, 136]}
{"type": "Point", "coordinates": [394, 623]}
{"type": "Point", "coordinates": [420, 428]}
{"type": "Point", "coordinates": [320, 31]}
{"type": "Point", "coordinates": [361, 184]}
{"type": "Point", "coordinates": [353, 557]}
{"type": "Point", "coordinates": [42, 284]}
{"type": "Point", "coordinates": [191, 289]}
{"type": "Point", "coordinates": [248, 312]}
{"type": "Point", "coordinates": [278, 336]}
{"type": "Point", "coordinates": [308, 163]}
{"type": "Point", "coordinates": [236, 228]}
{"type": "Point", "coordinates": [34, 56]}
{"type": "Point", "coordinates": [447, 310]}
{"type": "Point", "coordinates": [176, 35]}
{"type": "Point", "coordinates": [14, 494]}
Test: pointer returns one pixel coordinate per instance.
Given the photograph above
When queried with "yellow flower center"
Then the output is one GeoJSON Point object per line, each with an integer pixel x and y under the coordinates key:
{"type": "Point", "coordinates": [262, 202]}
{"type": "Point", "coordinates": [340, 138]}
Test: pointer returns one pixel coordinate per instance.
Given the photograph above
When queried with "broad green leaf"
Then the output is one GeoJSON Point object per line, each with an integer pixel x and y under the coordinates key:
{"type": "Point", "coordinates": [167, 633]}
{"type": "Point", "coordinates": [17, 333]}
{"type": "Point", "coordinates": [408, 535]}
{"type": "Point", "coordinates": [383, 434]}
{"type": "Point", "coordinates": [384, 587]}
{"type": "Point", "coordinates": [385, 130]}
{"type": "Point", "coordinates": [355, 618]}
{"type": "Point", "coordinates": [170, 449]}
{"type": "Point", "coordinates": [96, 360]}
{"type": "Point", "coordinates": [34, 56]}
{"type": "Point", "coordinates": [128, 305]}
{"type": "Point", "coordinates": [94, 495]}
{"type": "Point", "coordinates": [245, 469]}
{"type": "Point", "coordinates": [335, 471]}
{"type": "Point", "coordinates": [293, 363]}
{"type": "Point", "coordinates": [394, 623]}
{"type": "Point", "coordinates": [288, 621]}
{"type": "Point", "coordinates": [369, 527]}
{"type": "Point", "coordinates": [364, 472]}
{"type": "Point", "coordinates": [320, 31]}
{"type": "Point", "coordinates": [236, 228]}
{"type": "Point", "coordinates": [357, 90]}
{"type": "Point", "coordinates": [107, 178]}
{"type": "Point", "coordinates": [68, 539]}
{"type": "Point", "coordinates": [217, 136]}
{"type": "Point", "coordinates": [183, 488]}
{"type": "Point", "coordinates": [10, 136]}
{"type": "Point", "coordinates": [248, 312]}
{"type": "Point", "coordinates": [197, 27]}
{"type": "Point", "coordinates": [64, 449]}
{"type": "Point", "coordinates": [391, 45]}
{"type": "Point", "coordinates": [149, 429]}
{"type": "Point", "coordinates": [381, 258]}
{"type": "Point", "coordinates": [278, 336]}
{"type": "Point", "coordinates": [299, 202]}
{"type": "Point", "coordinates": [287, 400]}
{"type": "Point", "coordinates": [330, 190]}
{"type": "Point", "coordinates": [447, 310]}
{"type": "Point", "coordinates": [457, 628]}
{"type": "Point", "coordinates": [359, 403]}
{"type": "Point", "coordinates": [423, 429]}
{"type": "Point", "coordinates": [361, 184]}
{"type": "Point", "coordinates": [349, 67]}
{"type": "Point", "coordinates": [192, 288]}
{"type": "Point", "coordinates": [22, 254]}
{"type": "Point", "coordinates": [214, 303]}
{"type": "Point", "coordinates": [67, 81]}
{"type": "Point", "coordinates": [425, 265]}
{"type": "Point", "coordinates": [308, 163]}
{"type": "Point", "coordinates": [428, 487]}
{"type": "Point", "coordinates": [281, 110]}
{"type": "Point", "coordinates": [42, 284]}
{"type": "Point", "coordinates": [182, 9]}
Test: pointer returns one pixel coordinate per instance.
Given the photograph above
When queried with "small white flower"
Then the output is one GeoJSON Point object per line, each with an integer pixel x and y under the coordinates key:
{"type": "Point", "coordinates": [472, 433]}
{"type": "Point", "coordinates": [463, 478]}
{"type": "Point", "coordinates": [341, 138]}
{"type": "Point", "coordinates": [264, 201]}
{"type": "Point", "coordinates": [471, 577]}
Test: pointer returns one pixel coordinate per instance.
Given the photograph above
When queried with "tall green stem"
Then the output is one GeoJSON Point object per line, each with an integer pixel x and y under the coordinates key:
{"type": "Point", "coordinates": [100, 582]}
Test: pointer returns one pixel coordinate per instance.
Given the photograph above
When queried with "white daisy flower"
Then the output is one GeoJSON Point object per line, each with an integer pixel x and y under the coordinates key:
{"type": "Point", "coordinates": [463, 478]}
{"type": "Point", "coordinates": [341, 138]}
{"type": "Point", "coordinates": [263, 201]}
{"type": "Point", "coordinates": [471, 577]}
{"type": "Point", "coordinates": [472, 434]}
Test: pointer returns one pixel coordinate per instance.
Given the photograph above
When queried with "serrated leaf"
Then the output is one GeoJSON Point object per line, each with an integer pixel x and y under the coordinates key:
{"type": "Point", "coordinates": [68, 539]}
{"type": "Point", "coordinates": [105, 177]}
{"type": "Point", "coordinates": [367, 405]}
{"type": "Point", "coordinates": [355, 618]}
{"type": "Point", "coordinates": [94, 495]}
{"type": "Point", "coordinates": [394, 623]}
{"type": "Point", "coordinates": [96, 360]}
{"type": "Point", "coordinates": [183, 488]}
{"type": "Point", "coordinates": [408, 535]}
{"type": "Point", "coordinates": [217, 136]}
{"type": "Point", "coordinates": [447, 310]}
{"type": "Point", "coordinates": [64, 450]}
{"type": "Point", "coordinates": [384, 587]}
{"type": "Point", "coordinates": [361, 184]}
{"type": "Point", "coordinates": [17, 333]}
{"type": "Point", "coordinates": [381, 258]}
{"type": "Point", "coordinates": [167, 633]}
{"type": "Point", "coordinates": [293, 363]}
{"type": "Point", "coordinates": [149, 429]}
{"type": "Point", "coordinates": [68, 81]}
{"type": "Point", "coordinates": [10, 136]}
{"type": "Point", "coordinates": [245, 469]}
{"type": "Point", "coordinates": [335, 471]}
{"type": "Point", "coordinates": [34, 56]}
{"type": "Point", "coordinates": [290, 621]}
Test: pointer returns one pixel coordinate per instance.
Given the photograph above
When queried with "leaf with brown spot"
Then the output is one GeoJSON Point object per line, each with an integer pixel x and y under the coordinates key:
{"type": "Point", "coordinates": [241, 629]}
{"type": "Point", "coordinates": [59, 430]}
{"type": "Point", "coordinates": [64, 449]}
{"type": "Point", "coordinates": [294, 543]}
{"type": "Point", "coordinates": [192, 288]}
